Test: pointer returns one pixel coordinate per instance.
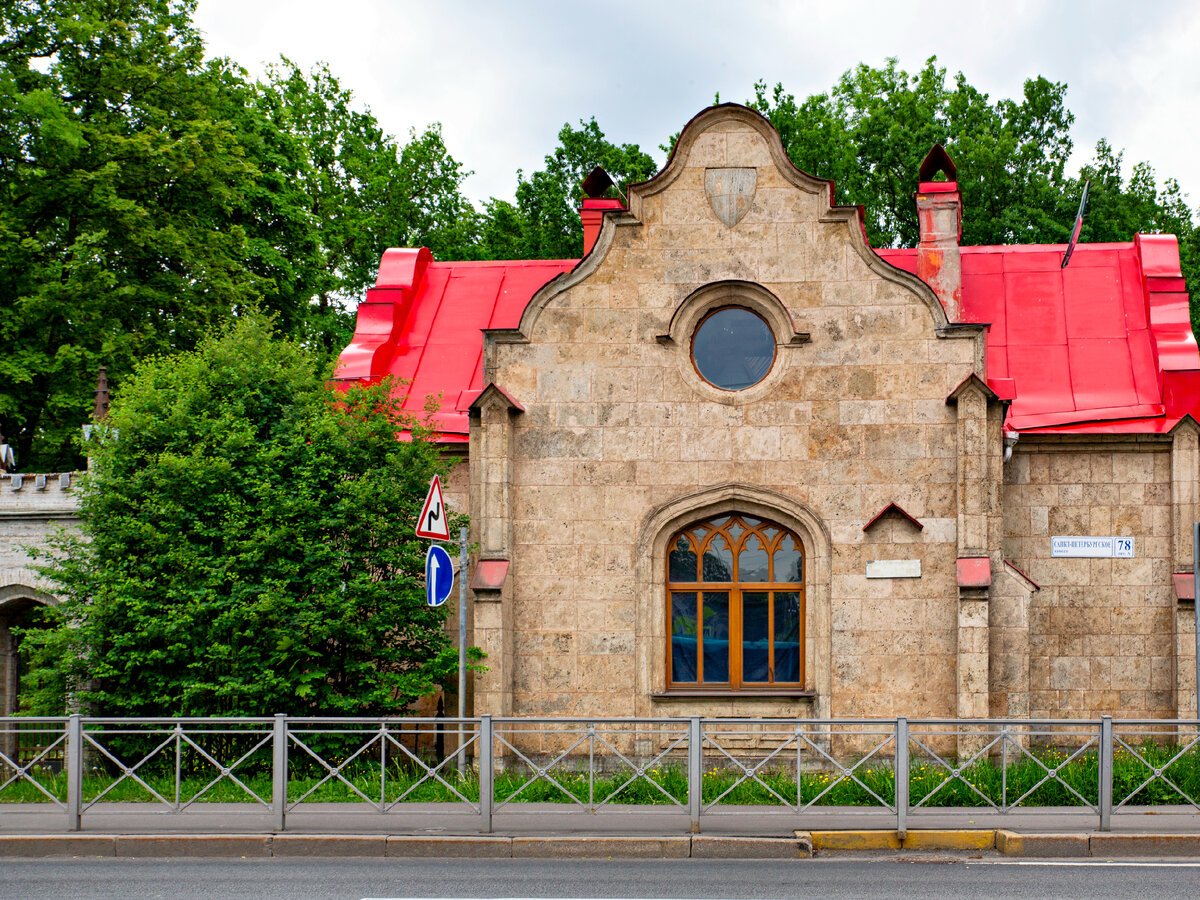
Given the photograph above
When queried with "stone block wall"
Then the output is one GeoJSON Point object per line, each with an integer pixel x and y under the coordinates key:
{"type": "Point", "coordinates": [32, 508]}
{"type": "Point", "coordinates": [1101, 632]}
{"type": "Point", "coordinates": [621, 441]}
{"type": "Point", "coordinates": [29, 514]}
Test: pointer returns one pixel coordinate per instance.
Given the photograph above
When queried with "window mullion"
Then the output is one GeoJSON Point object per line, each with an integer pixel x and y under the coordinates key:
{"type": "Point", "coordinates": [803, 611]}
{"type": "Point", "coordinates": [771, 637]}
{"type": "Point", "coordinates": [735, 638]}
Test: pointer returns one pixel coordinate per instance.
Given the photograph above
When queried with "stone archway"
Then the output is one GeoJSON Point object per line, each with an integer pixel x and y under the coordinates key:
{"type": "Point", "coordinates": [17, 601]}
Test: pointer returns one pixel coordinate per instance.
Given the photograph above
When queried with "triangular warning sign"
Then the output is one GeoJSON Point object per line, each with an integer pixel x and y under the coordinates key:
{"type": "Point", "coordinates": [432, 521]}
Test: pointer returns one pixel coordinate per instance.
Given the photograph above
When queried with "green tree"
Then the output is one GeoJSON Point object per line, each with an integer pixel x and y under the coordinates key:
{"type": "Point", "coordinates": [117, 183]}
{"type": "Point", "coordinates": [246, 545]}
{"type": "Point", "coordinates": [353, 191]}
{"type": "Point", "coordinates": [146, 193]}
{"type": "Point", "coordinates": [1120, 206]}
{"type": "Point", "coordinates": [544, 222]}
{"type": "Point", "coordinates": [871, 132]}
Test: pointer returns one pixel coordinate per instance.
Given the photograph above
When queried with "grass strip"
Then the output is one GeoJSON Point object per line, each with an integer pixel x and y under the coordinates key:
{"type": "Point", "coordinates": [930, 785]}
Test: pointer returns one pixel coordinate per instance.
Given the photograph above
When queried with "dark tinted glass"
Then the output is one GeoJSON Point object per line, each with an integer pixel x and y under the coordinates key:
{"type": "Point", "coordinates": [752, 561]}
{"type": "Point", "coordinates": [718, 561]}
{"type": "Point", "coordinates": [756, 637]}
{"type": "Point", "coordinates": [787, 636]}
{"type": "Point", "coordinates": [789, 562]}
{"type": "Point", "coordinates": [733, 348]}
{"type": "Point", "coordinates": [683, 561]}
{"type": "Point", "coordinates": [683, 637]}
{"type": "Point", "coordinates": [716, 637]}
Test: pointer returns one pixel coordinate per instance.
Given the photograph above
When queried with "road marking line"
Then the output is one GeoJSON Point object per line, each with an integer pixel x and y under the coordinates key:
{"type": "Point", "coordinates": [1090, 862]}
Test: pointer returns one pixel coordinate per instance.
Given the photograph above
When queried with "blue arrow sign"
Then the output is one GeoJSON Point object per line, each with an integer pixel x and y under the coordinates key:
{"type": "Point", "coordinates": [439, 575]}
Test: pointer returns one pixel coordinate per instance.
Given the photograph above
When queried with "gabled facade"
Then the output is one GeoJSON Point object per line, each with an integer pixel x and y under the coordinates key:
{"type": "Point", "coordinates": [736, 461]}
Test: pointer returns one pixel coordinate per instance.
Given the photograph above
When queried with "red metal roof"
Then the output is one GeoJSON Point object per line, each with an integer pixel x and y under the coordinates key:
{"type": "Point", "coordinates": [423, 322]}
{"type": "Point", "coordinates": [1103, 346]}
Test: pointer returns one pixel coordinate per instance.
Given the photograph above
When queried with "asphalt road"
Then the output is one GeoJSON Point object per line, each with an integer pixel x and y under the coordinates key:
{"type": "Point", "coordinates": [353, 879]}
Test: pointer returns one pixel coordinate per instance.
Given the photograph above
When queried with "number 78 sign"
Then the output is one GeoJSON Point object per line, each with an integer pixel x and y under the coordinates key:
{"type": "Point", "coordinates": [432, 522]}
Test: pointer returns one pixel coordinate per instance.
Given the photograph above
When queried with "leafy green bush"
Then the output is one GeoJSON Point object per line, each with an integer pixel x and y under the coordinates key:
{"type": "Point", "coordinates": [247, 547]}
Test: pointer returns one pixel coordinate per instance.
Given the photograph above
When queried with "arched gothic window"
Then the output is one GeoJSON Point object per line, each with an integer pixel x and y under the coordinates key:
{"type": "Point", "coordinates": [735, 606]}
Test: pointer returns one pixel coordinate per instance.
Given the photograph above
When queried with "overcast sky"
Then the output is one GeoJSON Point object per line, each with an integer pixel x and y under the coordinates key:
{"type": "Point", "coordinates": [503, 77]}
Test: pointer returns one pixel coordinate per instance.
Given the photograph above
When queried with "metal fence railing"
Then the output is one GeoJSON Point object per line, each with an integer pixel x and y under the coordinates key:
{"type": "Point", "coordinates": [694, 767]}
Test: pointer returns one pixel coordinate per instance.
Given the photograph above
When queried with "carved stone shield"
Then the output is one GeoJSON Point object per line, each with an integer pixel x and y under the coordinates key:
{"type": "Point", "coordinates": [730, 192]}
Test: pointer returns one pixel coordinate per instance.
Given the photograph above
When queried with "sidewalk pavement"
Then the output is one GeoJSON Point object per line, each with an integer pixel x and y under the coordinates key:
{"type": "Point", "coordinates": [554, 830]}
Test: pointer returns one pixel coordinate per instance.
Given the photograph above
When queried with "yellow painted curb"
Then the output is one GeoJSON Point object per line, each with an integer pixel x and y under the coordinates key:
{"type": "Point", "coordinates": [983, 839]}
{"type": "Point", "coordinates": [855, 840]}
{"type": "Point", "coordinates": [958, 839]}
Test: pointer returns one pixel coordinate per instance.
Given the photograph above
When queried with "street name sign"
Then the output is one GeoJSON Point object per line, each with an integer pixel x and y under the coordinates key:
{"type": "Point", "coordinates": [439, 575]}
{"type": "Point", "coordinates": [894, 568]}
{"type": "Point", "coordinates": [1085, 547]}
{"type": "Point", "coordinates": [432, 522]}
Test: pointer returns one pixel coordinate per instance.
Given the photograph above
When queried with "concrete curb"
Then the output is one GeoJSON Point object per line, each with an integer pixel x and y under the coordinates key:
{"type": "Point", "coordinates": [1044, 846]}
{"type": "Point", "coordinates": [804, 844]}
{"type": "Point", "coordinates": [368, 845]}
{"type": "Point", "coordinates": [602, 847]}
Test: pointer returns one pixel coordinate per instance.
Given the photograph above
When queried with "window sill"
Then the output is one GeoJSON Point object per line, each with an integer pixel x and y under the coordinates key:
{"type": "Point", "coordinates": [785, 694]}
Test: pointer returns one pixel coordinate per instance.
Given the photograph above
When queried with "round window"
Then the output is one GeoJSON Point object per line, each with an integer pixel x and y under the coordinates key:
{"type": "Point", "coordinates": [733, 348]}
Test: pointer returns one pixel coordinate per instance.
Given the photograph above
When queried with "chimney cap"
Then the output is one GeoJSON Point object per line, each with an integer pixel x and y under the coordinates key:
{"type": "Point", "coordinates": [597, 183]}
{"type": "Point", "coordinates": [937, 160]}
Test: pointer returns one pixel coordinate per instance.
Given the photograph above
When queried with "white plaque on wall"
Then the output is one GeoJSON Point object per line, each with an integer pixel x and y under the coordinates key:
{"type": "Point", "coordinates": [894, 568]}
{"type": "Point", "coordinates": [1081, 547]}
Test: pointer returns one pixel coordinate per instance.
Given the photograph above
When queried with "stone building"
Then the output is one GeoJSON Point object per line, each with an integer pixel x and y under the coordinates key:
{"type": "Point", "coordinates": [737, 461]}
{"type": "Point", "coordinates": [32, 507]}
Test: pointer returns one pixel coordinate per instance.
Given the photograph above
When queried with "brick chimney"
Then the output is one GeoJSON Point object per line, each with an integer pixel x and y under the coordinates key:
{"type": "Point", "coordinates": [939, 214]}
{"type": "Point", "coordinates": [592, 215]}
{"type": "Point", "coordinates": [596, 185]}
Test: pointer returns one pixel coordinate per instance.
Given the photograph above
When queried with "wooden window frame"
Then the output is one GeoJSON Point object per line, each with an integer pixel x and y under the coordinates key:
{"type": "Point", "coordinates": [735, 590]}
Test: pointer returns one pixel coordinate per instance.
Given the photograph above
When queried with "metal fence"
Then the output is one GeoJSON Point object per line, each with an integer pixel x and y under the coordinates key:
{"type": "Point", "coordinates": [698, 767]}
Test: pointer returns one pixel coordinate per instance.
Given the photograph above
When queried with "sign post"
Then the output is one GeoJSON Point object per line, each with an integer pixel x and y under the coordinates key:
{"type": "Point", "coordinates": [433, 523]}
{"type": "Point", "coordinates": [462, 643]}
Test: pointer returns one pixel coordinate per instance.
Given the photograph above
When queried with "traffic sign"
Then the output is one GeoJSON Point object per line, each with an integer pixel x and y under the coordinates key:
{"type": "Point", "coordinates": [432, 521]}
{"type": "Point", "coordinates": [439, 575]}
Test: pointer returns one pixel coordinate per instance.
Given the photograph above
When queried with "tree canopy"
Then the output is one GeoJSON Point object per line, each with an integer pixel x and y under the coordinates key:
{"type": "Point", "coordinates": [544, 222]}
{"type": "Point", "coordinates": [146, 193]}
{"type": "Point", "coordinates": [873, 129]}
{"type": "Point", "coordinates": [351, 191]}
{"type": "Point", "coordinates": [246, 545]}
{"type": "Point", "coordinates": [118, 187]}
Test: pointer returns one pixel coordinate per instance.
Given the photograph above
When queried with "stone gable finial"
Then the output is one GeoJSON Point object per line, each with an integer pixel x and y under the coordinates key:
{"type": "Point", "coordinates": [100, 408]}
